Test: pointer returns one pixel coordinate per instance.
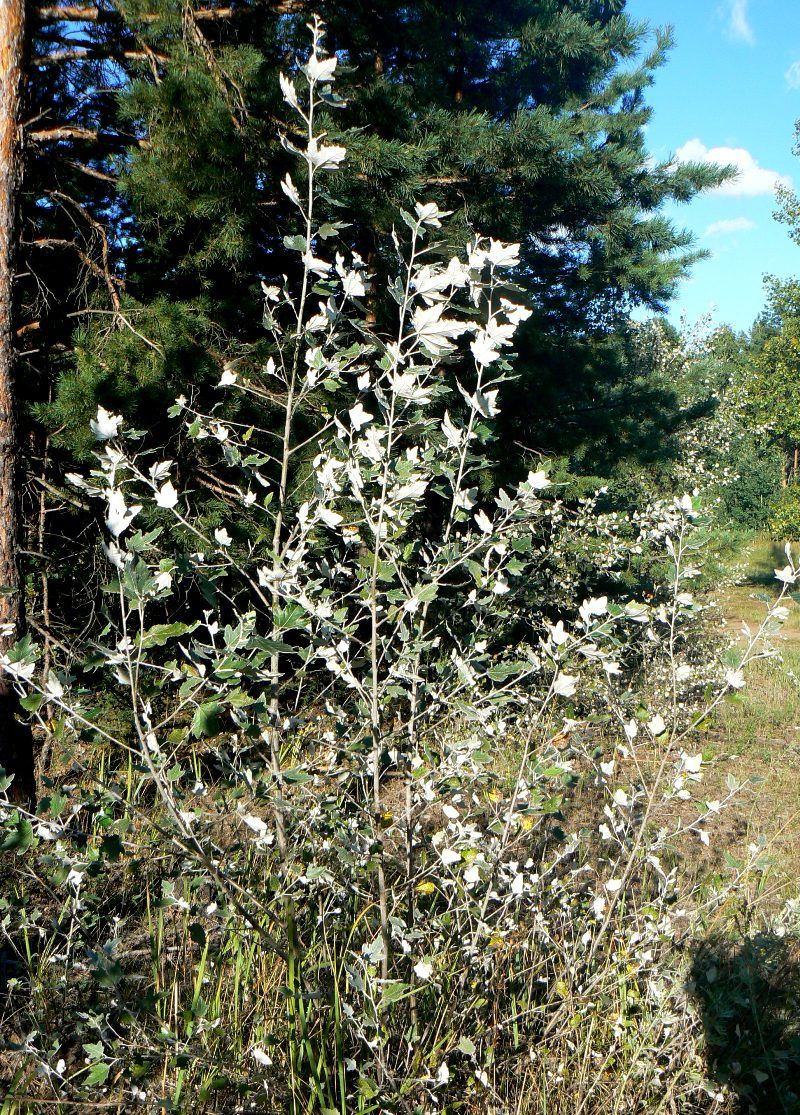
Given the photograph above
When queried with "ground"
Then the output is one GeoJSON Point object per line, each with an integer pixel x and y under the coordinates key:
{"type": "Point", "coordinates": [756, 733]}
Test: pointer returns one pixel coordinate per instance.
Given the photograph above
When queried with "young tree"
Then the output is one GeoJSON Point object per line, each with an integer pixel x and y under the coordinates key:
{"type": "Point", "coordinates": [772, 376]}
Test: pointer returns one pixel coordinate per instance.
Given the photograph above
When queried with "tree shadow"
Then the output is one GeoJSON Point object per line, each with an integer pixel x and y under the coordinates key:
{"type": "Point", "coordinates": [748, 994]}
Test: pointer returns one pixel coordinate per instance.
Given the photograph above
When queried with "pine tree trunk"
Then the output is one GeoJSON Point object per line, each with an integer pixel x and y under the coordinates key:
{"type": "Point", "coordinates": [16, 741]}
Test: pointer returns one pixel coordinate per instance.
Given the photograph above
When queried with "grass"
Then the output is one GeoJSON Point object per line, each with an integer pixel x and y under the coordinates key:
{"type": "Point", "coordinates": [756, 733]}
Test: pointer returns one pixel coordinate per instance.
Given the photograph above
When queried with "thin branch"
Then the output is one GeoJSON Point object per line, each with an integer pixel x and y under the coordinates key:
{"type": "Point", "coordinates": [111, 280]}
{"type": "Point", "coordinates": [72, 131]}
{"type": "Point", "coordinates": [67, 497]}
{"type": "Point", "coordinates": [223, 80]}
{"type": "Point", "coordinates": [96, 54]}
{"type": "Point", "coordinates": [62, 131]}
{"type": "Point", "coordinates": [69, 13]}
{"type": "Point", "coordinates": [48, 242]}
{"type": "Point", "coordinates": [93, 172]}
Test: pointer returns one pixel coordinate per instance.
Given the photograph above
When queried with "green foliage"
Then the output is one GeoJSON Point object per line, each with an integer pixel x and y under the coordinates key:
{"type": "Point", "coordinates": [546, 148]}
{"type": "Point", "coordinates": [784, 517]}
{"type": "Point", "coordinates": [746, 988]}
{"type": "Point", "coordinates": [526, 120]}
{"type": "Point", "coordinates": [162, 351]}
{"type": "Point", "coordinates": [770, 376]}
{"type": "Point", "coordinates": [749, 501]}
{"type": "Point", "coordinates": [773, 384]}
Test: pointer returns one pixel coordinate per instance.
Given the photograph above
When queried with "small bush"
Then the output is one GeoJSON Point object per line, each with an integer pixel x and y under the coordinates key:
{"type": "Point", "coordinates": [748, 501]}
{"type": "Point", "coordinates": [393, 821]}
{"type": "Point", "coordinates": [784, 518]}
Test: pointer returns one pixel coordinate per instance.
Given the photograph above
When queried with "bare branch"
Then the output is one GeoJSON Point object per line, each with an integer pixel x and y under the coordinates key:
{"type": "Point", "coordinates": [61, 132]}
{"type": "Point", "coordinates": [94, 54]}
{"type": "Point", "coordinates": [92, 171]}
{"type": "Point", "coordinates": [237, 107]}
{"type": "Point", "coordinates": [69, 13]}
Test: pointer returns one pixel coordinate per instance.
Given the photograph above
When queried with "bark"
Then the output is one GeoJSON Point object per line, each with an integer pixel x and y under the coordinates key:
{"type": "Point", "coordinates": [16, 740]}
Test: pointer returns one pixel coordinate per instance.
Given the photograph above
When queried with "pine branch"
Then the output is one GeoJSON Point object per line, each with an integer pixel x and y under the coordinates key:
{"type": "Point", "coordinates": [237, 107]}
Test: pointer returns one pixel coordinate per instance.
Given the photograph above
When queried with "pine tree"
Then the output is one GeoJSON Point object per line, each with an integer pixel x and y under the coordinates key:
{"type": "Point", "coordinates": [527, 119]}
{"type": "Point", "coordinates": [61, 222]}
{"type": "Point", "coordinates": [16, 747]}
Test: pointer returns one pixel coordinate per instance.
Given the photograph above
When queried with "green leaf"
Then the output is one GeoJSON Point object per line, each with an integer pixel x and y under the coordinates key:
{"type": "Point", "coordinates": [367, 1087]}
{"type": "Point", "coordinates": [295, 244]}
{"type": "Point", "coordinates": [295, 775]}
{"type": "Point", "coordinates": [290, 616]}
{"type": "Point", "coordinates": [160, 633]}
{"type": "Point", "coordinates": [98, 1073]}
{"type": "Point", "coordinates": [56, 803]}
{"type": "Point", "coordinates": [206, 720]}
{"type": "Point", "coordinates": [20, 838]}
{"type": "Point", "coordinates": [110, 975]}
{"type": "Point", "coordinates": [393, 992]}
{"type": "Point", "coordinates": [198, 934]}
{"type": "Point", "coordinates": [271, 646]}
{"type": "Point", "coordinates": [111, 847]}
{"type": "Point", "coordinates": [137, 581]}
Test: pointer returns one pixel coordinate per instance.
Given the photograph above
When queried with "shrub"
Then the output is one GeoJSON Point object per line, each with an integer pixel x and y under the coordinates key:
{"type": "Point", "coordinates": [353, 847]}
{"type": "Point", "coordinates": [784, 519]}
{"type": "Point", "coordinates": [749, 501]}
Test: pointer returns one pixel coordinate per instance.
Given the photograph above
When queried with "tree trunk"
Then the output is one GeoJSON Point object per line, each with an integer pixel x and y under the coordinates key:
{"type": "Point", "coordinates": [16, 740]}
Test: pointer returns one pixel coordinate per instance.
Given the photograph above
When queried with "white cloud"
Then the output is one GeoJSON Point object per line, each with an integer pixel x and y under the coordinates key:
{"type": "Point", "coordinates": [792, 76]}
{"type": "Point", "coordinates": [738, 24]}
{"type": "Point", "coordinates": [752, 180]}
{"type": "Point", "coordinates": [726, 228]}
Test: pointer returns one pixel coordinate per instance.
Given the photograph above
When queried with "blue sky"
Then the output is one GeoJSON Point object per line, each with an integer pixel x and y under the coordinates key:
{"type": "Point", "coordinates": [730, 92]}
